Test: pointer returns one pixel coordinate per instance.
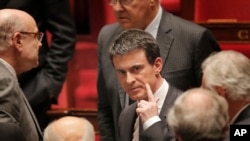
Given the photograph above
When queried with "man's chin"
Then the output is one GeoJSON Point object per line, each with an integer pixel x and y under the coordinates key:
{"type": "Point", "coordinates": [125, 25]}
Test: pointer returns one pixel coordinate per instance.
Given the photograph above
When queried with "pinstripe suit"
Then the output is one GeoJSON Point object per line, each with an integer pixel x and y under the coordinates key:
{"type": "Point", "coordinates": [14, 106]}
{"type": "Point", "coordinates": [183, 47]}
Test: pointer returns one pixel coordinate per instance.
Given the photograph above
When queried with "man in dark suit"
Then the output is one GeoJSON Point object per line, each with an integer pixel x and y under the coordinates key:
{"type": "Point", "coordinates": [227, 73]}
{"type": "Point", "coordinates": [20, 41]}
{"type": "Point", "coordinates": [183, 46]}
{"type": "Point", "coordinates": [43, 84]}
{"type": "Point", "coordinates": [135, 56]}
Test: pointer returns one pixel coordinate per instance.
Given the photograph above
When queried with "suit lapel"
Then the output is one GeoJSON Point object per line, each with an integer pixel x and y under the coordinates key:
{"type": "Point", "coordinates": [172, 94]}
{"type": "Point", "coordinates": [32, 115]}
{"type": "Point", "coordinates": [130, 121]}
{"type": "Point", "coordinates": [164, 40]}
{"type": "Point", "coordinates": [243, 116]}
{"type": "Point", "coordinates": [122, 95]}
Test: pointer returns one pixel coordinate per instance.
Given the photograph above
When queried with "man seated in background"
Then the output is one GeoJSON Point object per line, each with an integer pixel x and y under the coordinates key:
{"type": "Point", "coordinates": [227, 73]}
{"type": "Point", "coordinates": [199, 115]}
{"type": "Point", "coordinates": [69, 128]}
{"type": "Point", "coordinates": [20, 41]}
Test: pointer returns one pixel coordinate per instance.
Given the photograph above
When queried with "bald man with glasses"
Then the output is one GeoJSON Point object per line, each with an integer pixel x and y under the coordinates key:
{"type": "Point", "coordinates": [20, 41]}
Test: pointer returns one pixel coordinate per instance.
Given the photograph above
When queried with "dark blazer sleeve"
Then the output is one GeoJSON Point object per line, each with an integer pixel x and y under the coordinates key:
{"type": "Point", "coordinates": [54, 17]}
{"type": "Point", "coordinates": [59, 22]}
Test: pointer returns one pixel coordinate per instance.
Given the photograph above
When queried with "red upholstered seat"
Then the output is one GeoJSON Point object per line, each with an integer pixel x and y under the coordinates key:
{"type": "Point", "coordinates": [241, 47]}
{"type": "Point", "coordinates": [82, 76]}
{"type": "Point", "coordinates": [172, 6]}
{"type": "Point", "coordinates": [85, 92]}
{"type": "Point", "coordinates": [224, 12]}
{"type": "Point", "coordinates": [222, 9]}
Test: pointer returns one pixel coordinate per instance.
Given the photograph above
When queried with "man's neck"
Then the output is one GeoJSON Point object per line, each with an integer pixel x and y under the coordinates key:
{"type": "Point", "coordinates": [235, 107]}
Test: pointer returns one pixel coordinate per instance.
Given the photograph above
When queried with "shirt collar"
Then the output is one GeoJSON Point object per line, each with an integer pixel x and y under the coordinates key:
{"type": "Point", "coordinates": [161, 94]}
{"type": "Point", "coordinates": [153, 27]}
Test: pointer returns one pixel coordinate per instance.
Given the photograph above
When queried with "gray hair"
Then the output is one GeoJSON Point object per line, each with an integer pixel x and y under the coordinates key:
{"type": "Point", "coordinates": [230, 70]}
{"type": "Point", "coordinates": [86, 130]}
{"type": "Point", "coordinates": [134, 39]}
{"type": "Point", "coordinates": [203, 116]}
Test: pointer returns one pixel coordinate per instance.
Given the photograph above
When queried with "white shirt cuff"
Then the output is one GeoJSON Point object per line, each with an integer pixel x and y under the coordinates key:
{"type": "Point", "coordinates": [150, 122]}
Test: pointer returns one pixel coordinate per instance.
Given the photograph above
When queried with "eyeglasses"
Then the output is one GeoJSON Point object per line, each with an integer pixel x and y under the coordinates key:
{"type": "Point", "coordinates": [122, 2]}
{"type": "Point", "coordinates": [38, 35]}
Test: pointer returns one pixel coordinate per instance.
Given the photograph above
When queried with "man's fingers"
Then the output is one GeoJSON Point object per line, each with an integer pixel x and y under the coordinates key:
{"type": "Point", "coordinates": [149, 93]}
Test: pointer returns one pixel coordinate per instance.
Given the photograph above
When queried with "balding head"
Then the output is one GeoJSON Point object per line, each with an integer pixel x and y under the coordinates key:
{"type": "Point", "coordinates": [199, 115]}
{"type": "Point", "coordinates": [69, 128]}
{"type": "Point", "coordinates": [12, 20]}
{"type": "Point", "coordinates": [19, 43]}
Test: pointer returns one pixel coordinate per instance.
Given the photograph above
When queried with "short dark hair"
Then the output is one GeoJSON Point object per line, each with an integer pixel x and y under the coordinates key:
{"type": "Point", "coordinates": [134, 39]}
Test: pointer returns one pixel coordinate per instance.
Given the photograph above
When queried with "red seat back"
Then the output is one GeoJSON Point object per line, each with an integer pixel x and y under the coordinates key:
{"type": "Point", "coordinates": [222, 9]}
{"type": "Point", "coordinates": [172, 6]}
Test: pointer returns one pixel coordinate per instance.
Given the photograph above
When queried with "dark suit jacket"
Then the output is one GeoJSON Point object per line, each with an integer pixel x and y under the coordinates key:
{"type": "Point", "coordinates": [183, 47]}
{"type": "Point", "coordinates": [45, 81]}
{"type": "Point", "coordinates": [11, 132]}
{"type": "Point", "coordinates": [14, 106]}
{"type": "Point", "coordinates": [158, 131]}
{"type": "Point", "coordinates": [242, 119]}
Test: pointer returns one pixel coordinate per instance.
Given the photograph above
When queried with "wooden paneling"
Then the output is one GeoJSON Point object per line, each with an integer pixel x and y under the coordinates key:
{"type": "Point", "coordinates": [237, 32]}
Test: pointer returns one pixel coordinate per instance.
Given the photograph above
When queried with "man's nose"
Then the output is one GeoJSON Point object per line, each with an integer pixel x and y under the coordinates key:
{"type": "Point", "coordinates": [130, 78]}
{"type": "Point", "coordinates": [117, 6]}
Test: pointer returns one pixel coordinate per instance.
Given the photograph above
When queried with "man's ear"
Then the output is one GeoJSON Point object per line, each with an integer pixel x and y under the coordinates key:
{"type": "Point", "coordinates": [220, 91]}
{"type": "Point", "coordinates": [158, 65]}
{"type": "Point", "coordinates": [17, 41]}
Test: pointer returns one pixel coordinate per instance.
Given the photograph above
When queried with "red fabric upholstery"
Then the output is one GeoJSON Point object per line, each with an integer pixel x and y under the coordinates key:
{"type": "Point", "coordinates": [80, 85]}
{"type": "Point", "coordinates": [85, 92]}
{"type": "Point", "coordinates": [172, 6]}
{"type": "Point", "coordinates": [82, 78]}
{"type": "Point", "coordinates": [241, 47]}
{"type": "Point", "coordinates": [222, 9]}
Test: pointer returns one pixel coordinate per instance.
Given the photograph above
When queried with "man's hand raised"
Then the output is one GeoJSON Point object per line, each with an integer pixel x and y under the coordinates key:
{"type": "Point", "coordinates": [147, 108]}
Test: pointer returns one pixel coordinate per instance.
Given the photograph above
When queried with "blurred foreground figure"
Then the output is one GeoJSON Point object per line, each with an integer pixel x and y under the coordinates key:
{"type": "Point", "coordinates": [227, 73]}
{"type": "Point", "coordinates": [199, 115]}
{"type": "Point", "coordinates": [69, 128]}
